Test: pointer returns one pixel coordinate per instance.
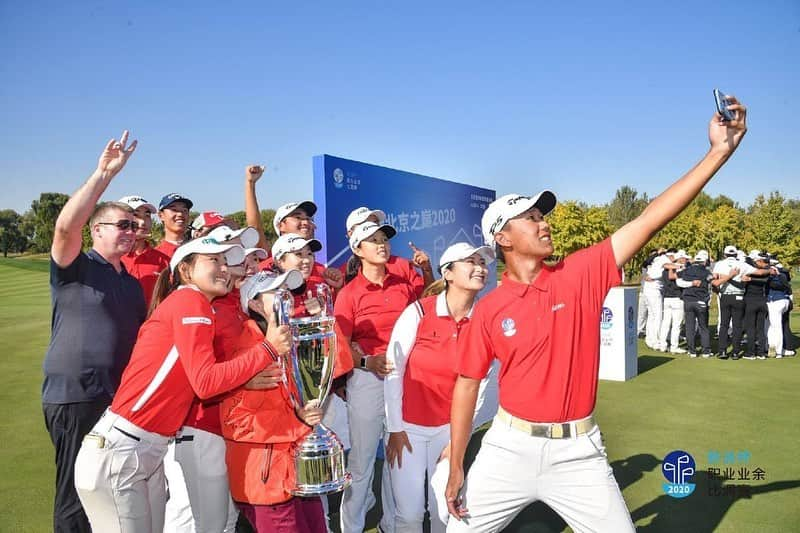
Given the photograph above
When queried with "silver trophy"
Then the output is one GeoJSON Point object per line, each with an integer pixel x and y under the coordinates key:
{"type": "Point", "coordinates": [319, 458]}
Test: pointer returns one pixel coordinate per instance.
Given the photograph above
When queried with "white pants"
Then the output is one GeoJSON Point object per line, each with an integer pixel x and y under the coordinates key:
{"type": "Point", "coordinates": [572, 476]}
{"type": "Point", "coordinates": [654, 302]}
{"type": "Point", "coordinates": [671, 320]}
{"type": "Point", "coordinates": [197, 476]}
{"type": "Point", "coordinates": [408, 481]}
{"type": "Point", "coordinates": [775, 312]}
{"type": "Point", "coordinates": [365, 413]}
{"type": "Point", "coordinates": [641, 316]}
{"type": "Point", "coordinates": [119, 477]}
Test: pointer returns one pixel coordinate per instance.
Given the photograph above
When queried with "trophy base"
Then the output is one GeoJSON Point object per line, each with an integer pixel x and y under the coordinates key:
{"type": "Point", "coordinates": [319, 464]}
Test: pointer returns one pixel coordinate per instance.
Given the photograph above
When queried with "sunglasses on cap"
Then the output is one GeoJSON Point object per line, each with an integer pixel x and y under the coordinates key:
{"type": "Point", "coordinates": [122, 225]}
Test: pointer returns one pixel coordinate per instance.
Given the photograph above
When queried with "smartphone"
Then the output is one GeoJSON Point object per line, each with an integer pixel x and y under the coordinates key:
{"type": "Point", "coordinates": [722, 105]}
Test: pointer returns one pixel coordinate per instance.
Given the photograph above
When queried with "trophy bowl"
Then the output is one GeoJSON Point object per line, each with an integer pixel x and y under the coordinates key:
{"type": "Point", "coordinates": [319, 458]}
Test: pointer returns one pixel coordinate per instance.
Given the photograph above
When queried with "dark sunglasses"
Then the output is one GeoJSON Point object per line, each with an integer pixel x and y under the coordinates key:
{"type": "Point", "coordinates": [122, 225]}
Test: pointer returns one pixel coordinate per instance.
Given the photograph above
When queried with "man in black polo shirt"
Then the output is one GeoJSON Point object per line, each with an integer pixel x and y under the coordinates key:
{"type": "Point", "coordinates": [97, 310]}
{"type": "Point", "coordinates": [695, 279]}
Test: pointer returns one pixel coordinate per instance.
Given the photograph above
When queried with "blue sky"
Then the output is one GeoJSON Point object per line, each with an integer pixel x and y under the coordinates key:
{"type": "Point", "coordinates": [580, 97]}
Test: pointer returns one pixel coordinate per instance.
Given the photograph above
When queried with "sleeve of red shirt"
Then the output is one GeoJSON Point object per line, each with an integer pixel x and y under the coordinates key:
{"type": "Point", "coordinates": [194, 336]}
{"type": "Point", "coordinates": [596, 268]}
{"type": "Point", "coordinates": [475, 346]}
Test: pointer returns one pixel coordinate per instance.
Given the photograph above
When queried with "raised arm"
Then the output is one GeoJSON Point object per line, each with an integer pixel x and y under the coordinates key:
{"type": "Point", "coordinates": [724, 138]}
{"type": "Point", "coordinates": [67, 237]}
{"type": "Point", "coordinates": [251, 211]}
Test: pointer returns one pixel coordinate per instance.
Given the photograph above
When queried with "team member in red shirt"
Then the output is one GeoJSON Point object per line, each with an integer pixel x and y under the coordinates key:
{"type": "Point", "coordinates": [396, 265]}
{"type": "Point", "coordinates": [417, 393]}
{"type": "Point", "coordinates": [366, 310]}
{"type": "Point", "coordinates": [173, 211]}
{"type": "Point", "coordinates": [207, 221]}
{"type": "Point", "coordinates": [144, 262]}
{"type": "Point", "coordinates": [262, 427]}
{"type": "Point", "coordinates": [291, 251]}
{"type": "Point", "coordinates": [199, 498]}
{"type": "Point", "coordinates": [119, 472]}
{"type": "Point", "coordinates": [542, 324]}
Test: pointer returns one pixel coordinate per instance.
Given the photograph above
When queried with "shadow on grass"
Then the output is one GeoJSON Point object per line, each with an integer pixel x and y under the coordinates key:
{"type": "Point", "coordinates": [649, 362]}
{"type": "Point", "coordinates": [702, 511]}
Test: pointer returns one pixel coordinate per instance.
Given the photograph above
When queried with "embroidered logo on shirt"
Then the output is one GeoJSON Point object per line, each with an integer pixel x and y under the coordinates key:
{"type": "Point", "coordinates": [196, 320]}
{"type": "Point", "coordinates": [559, 306]}
{"type": "Point", "coordinates": [509, 327]}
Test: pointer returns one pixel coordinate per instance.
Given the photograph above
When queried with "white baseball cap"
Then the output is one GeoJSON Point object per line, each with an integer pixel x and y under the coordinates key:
{"type": "Point", "coordinates": [757, 254]}
{"type": "Point", "coordinates": [266, 281]}
{"type": "Point", "coordinates": [681, 254]}
{"type": "Point", "coordinates": [462, 250]}
{"type": "Point", "coordinates": [703, 254]}
{"type": "Point", "coordinates": [366, 230]}
{"type": "Point", "coordinates": [507, 207]}
{"type": "Point", "coordinates": [207, 218]}
{"type": "Point", "coordinates": [283, 211]}
{"type": "Point", "coordinates": [136, 202]}
{"type": "Point", "coordinates": [292, 242]}
{"type": "Point", "coordinates": [234, 254]}
{"type": "Point", "coordinates": [260, 252]}
{"type": "Point", "coordinates": [247, 236]}
{"type": "Point", "coordinates": [361, 214]}
{"type": "Point", "coordinates": [730, 250]}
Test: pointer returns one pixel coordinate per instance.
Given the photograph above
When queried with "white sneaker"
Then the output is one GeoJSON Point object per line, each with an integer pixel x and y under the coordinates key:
{"type": "Point", "coordinates": [788, 353]}
{"type": "Point", "coordinates": [677, 350]}
{"type": "Point", "coordinates": [692, 354]}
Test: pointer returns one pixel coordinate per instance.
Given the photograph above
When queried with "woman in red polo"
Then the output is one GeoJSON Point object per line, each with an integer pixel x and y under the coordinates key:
{"type": "Point", "coordinates": [119, 469]}
{"type": "Point", "coordinates": [419, 390]}
{"type": "Point", "coordinates": [366, 310]}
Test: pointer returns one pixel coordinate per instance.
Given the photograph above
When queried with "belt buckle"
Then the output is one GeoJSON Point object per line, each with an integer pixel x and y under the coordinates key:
{"type": "Point", "coordinates": [559, 431]}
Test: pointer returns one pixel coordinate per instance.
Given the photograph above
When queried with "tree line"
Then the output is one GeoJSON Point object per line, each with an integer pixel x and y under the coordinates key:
{"type": "Point", "coordinates": [770, 224]}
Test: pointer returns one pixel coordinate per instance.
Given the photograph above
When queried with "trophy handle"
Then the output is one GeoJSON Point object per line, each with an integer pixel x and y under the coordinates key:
{"type": "Point", "coordinates": [326, 298]}
{"type": "Point", "coordinates": [283, 307]}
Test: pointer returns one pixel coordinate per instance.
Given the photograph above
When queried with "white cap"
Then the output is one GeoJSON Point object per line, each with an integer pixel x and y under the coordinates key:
{"type": "Point", "coordinates": [283, 211]}
{"type": "Point", "coordinates": [366, 230]}
{"type": "Point", "coordinates": [234, 254]}
{"type": "Point", "coordinates": [703, 254]}
{"type": "Point", "coordinates": [508, 206]}
{"type": "Point", "coordinates": [361, 214]}
{"type": "Point", "coordinates": [265, 281]}
{"type": "Point", "coordinates": [292, 242]}
{"type": "Point", "coordinates": [462, 250]}
{"type": "Point", "coordinates": [681, 254]}
{"type": "Point", "coordinates": [207, 218]}
{"type": "Point", "coordinates": [756, 254]}
{"type": "Point", "coordinates": [136, 202]}
{"type": "Point", "coordinates": [740, 255]}
{"type": "Point", "coordinates": [730, 250]}
{"type": "Point", "coordinates": [700, 257]}
{"type": "Point", "coordinates": [260, 252]}
{"type": "Point", "coordinates": [247, 236]}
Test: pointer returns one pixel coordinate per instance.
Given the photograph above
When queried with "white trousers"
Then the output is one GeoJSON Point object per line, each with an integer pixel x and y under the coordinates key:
{"type": "Point", "coordinates": [572, 476]}
{"type": "Point", "coordinates": [408, 481]}
{"type": "Point", "coordinates": [641, 316]}
{"type": "Point", "coordinates": [119, 477]}
{"type": "Point", "coordinates": [654, 302]}
{"type": "Point", "coordinates": [775, 312]}
{"type": "Point", "coordinates": [366, 417]}
{"type": "Point", "coordinates": [671, 323]}
{"type": "Point", "coordinates": [197, 476]}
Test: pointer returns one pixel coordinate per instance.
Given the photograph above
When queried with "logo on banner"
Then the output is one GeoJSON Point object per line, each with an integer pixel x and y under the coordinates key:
{"type": "Point", "coordinates": [678, 468]}
{"type": "Point", "coordinates": [338, 178]}
{"type": "Point", "coordinates": [606, 318]}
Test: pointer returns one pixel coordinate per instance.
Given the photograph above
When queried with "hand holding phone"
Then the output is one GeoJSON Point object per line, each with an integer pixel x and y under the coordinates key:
{"type": "Point", "coordinates": [721, 100]}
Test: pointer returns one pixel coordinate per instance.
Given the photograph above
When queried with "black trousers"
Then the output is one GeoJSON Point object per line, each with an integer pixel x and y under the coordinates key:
{"type": "Point", "coordinates": [755, 316]}
{"type": "Point", "coordinates": [696, 318]}
{"type": "Point", "coordinates": [731, 310]}
{"type": "Point", "coordinates": [67, 424]}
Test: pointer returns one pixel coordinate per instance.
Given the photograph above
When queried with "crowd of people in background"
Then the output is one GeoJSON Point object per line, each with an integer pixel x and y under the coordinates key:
{"type": "Point", "coordinates": [753, 296]}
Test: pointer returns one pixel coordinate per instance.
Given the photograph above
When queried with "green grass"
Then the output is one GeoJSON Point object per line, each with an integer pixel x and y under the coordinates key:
{"type": "Point", "coordinates": [696, 405]}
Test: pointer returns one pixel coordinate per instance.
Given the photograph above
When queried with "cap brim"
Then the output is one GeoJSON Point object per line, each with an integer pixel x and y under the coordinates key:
{"type": "Point", "coordinates": [545, 201]}
{"type": "Point", "coordinates": [260, 252]}
{"type": "Point", "coordinates": [308, 206]}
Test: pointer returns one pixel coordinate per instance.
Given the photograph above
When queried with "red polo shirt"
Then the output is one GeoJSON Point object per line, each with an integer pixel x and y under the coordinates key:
{"type": "Point", "coordinates": [173, 362]}
{"type": "Point", "coordinates": [366, 312]}
{"type": "Point", "coordinates": [145, 266]}
{"type": "Point", "coordinates": [167, 248]}
{"type": "Point", "coordinates": [546, 335]}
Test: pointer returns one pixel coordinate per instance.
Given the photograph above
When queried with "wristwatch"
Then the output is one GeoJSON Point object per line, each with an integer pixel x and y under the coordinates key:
{"type": "Point", "coordinates": [363, 364]}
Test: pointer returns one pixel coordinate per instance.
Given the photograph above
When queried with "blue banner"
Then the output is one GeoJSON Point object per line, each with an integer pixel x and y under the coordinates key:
{"type": "Point", "coordinates": [430, 212]}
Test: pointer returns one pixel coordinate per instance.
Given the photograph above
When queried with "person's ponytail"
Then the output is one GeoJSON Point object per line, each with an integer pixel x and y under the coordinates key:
{"type": "Point", "coordinates": [353, 265]}
{"type": "Point", "coordinates": [167, 282]}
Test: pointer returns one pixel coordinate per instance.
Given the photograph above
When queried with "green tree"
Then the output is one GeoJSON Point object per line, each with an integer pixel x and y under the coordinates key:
{"type": "Point", "coordinates": [44, 213]}
{"type": "Point", "coordinates": [770, 225]}
{"type": "Point", "coordinates": [719, 228]}
{"type": "Point", "coordinates": [11, 236]}
{"type": "Point", "coordinates": [626, 205]}
{"type": "Point", "coordinates": [574, 227]}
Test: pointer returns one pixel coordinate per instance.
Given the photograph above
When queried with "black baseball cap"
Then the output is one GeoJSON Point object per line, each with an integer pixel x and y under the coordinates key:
{"type": "Point", "coordinates": [173, 197]}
